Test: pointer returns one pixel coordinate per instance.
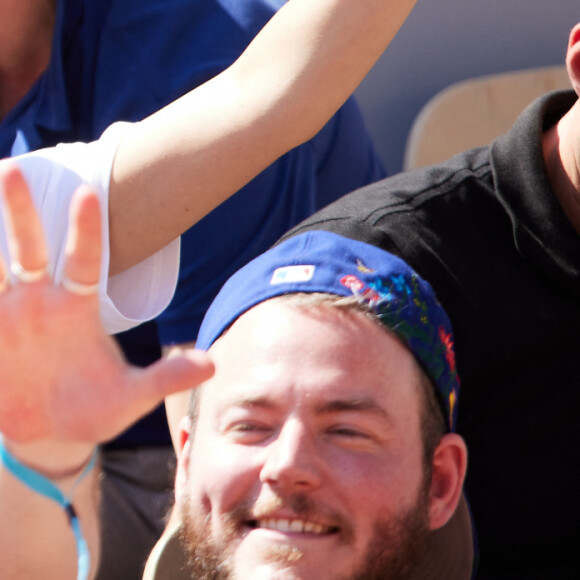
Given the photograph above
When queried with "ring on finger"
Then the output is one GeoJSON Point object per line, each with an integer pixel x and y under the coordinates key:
{"type": "Point", "coordinates": [79, 288]}
{"type": "Point", "coordinates": [27, 276]}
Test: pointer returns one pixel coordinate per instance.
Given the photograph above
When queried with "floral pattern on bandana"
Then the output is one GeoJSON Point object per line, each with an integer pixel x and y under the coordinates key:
{"type": "Point", "coordinates": [401, 305]}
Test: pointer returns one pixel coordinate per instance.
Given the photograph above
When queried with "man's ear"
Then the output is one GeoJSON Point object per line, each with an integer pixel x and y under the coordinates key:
{"type": "Point", "coordinates": [184, 444]}
{"type": "Point", "coordinates": [449, 467]}
{"type": "Point", "coordinates": [573, 58]}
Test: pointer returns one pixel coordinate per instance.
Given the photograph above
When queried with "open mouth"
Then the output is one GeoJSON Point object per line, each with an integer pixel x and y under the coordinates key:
{"type": "Point", "coordinates": [292, 526]}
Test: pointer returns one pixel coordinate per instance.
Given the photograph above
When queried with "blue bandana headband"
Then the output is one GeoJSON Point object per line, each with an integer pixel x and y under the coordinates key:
{"type": "Point", "coordinates": [324, 262]}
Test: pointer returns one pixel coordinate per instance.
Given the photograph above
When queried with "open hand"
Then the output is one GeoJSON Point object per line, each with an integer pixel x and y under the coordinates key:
{"type": "Point", "coordinates": [62, 378]}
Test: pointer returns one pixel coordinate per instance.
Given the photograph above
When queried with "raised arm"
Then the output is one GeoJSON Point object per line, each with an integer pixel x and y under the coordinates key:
{"type": "Point", "coordinates": [177, 165]}
{"type": "Point", "coordinates": [64, 386]}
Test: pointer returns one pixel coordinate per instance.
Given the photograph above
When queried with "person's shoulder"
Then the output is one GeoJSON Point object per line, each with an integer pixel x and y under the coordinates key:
{"type": "Point", "coordinates": [406, 194]}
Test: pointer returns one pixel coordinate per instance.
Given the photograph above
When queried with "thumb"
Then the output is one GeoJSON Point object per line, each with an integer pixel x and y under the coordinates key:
{"type": "Point", "coordinates": [183, 370]}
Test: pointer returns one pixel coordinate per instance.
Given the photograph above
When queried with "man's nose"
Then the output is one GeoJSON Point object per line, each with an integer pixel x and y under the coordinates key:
{"type": "Point", "coordinates": [292, 460]}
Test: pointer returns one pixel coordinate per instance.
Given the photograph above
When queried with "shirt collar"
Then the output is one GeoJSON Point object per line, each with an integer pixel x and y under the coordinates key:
{"type": "Point", "coordinates": [542, 231]}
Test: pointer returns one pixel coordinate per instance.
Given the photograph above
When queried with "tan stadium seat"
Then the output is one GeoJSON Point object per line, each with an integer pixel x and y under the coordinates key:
{"type": "Point", "coordinates": [471, 113]}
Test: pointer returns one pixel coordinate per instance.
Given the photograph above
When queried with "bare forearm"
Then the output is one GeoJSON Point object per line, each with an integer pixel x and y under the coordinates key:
{"type": "Point", "coordinates": [176, 166]}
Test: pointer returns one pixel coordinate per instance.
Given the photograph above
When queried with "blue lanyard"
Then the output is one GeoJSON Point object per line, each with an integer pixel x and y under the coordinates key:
{"type": "Point", "coordinates": [42, 485]}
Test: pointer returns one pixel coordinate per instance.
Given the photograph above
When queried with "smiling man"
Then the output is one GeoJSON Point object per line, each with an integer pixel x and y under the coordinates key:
{"type": "Point", "coordinates": [322, 446]}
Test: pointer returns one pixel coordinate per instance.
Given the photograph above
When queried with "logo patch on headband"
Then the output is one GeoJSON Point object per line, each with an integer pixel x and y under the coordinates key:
{"type": "Point", "coordinates": [292, 274]}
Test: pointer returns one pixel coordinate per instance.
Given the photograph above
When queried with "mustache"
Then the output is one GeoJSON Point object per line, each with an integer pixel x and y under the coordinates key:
{"type": "Point", "coordinates": [300, 504]}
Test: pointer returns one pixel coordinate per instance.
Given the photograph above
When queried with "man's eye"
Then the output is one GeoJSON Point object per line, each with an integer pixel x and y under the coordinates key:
{"type": "Point", "coordinates": [352, 438]}
{"type": "Point", "coordinates": [348, 432]}
{"type": "Point", "coordinates": [247, 427]}
{"type": "Point", "coordinates": [248, 433]}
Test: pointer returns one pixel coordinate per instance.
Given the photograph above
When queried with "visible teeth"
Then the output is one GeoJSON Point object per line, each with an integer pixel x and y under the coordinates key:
{"type": "Point", "coordinates": [313, 528]}
{"type": "Point", "coordinates": [296, 526]}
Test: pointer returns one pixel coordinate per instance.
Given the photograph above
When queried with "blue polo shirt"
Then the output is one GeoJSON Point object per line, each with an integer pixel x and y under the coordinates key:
{"type": "Point", "coordinates": [124, 59]}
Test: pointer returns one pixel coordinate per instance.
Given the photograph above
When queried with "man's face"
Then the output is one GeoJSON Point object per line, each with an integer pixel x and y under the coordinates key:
{"type": "Point", "coordinates": [307, 455]}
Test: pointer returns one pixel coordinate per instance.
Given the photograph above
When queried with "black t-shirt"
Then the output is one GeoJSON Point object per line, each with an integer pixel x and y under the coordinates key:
{"type": "Point", "coordinates": [486, 230]}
